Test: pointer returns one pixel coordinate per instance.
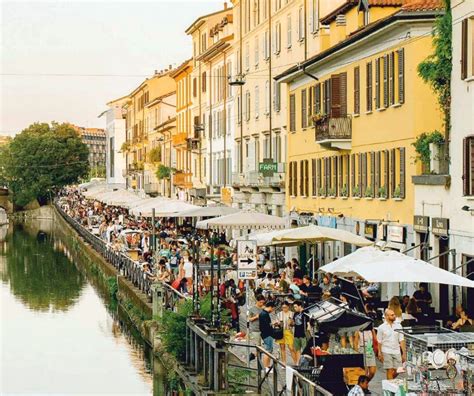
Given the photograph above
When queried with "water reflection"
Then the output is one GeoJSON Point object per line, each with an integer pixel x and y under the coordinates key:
{"type": "Point", "coordinates": [40, 277]}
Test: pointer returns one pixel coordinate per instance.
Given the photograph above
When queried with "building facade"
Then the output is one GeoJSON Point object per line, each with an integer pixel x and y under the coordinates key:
{"type": "Point", "coordinates": [115, 135]}
{"type": "Point", "coordinates": [94, 139]}
{"type": "Point", "coordinates": [354, 110]}
{"type": "Point", "coordinates": [444, 187]}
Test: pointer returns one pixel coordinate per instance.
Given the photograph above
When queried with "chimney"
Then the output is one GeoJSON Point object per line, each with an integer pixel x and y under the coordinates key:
{"type": "Point", "coordinates": [225, 5]}
{"type": "Point", "coordinates": [170, 67]}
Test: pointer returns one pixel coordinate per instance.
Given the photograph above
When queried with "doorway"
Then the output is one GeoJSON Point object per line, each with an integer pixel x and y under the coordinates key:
{"type": "Point", "coordinates": [443, 264]}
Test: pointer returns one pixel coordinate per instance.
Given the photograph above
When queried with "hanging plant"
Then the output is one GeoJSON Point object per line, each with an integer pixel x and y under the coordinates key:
{"type": "Point", "coordinates": [397, 193]}
{"type": "Point", "coordinates": [382, 192]}
{"type": "Point", "coordinates": [368, 192]}
{"type": "Point", "coordinates": [163, 172]}
{"type": "Point", "coordinates": [344, 191]}
{"type": "Point", "coordinates": [154, 155]}
{"type": "Point", "coordinates": [356, 191]}
{"type": "Point", "coordinates": [422, 145]}
{"type": "Point", "coordinates": [125, 147]}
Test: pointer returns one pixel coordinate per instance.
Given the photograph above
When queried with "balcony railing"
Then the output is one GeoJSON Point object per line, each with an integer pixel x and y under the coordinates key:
{"type": "Point", "coordinates": [256, 179]}
{"type": "Point", "coordinates": [179, 139]}
{"type": "Point", "coordinates": [333, 130]}
{"type": "Point", "coordinates": [182, 179]}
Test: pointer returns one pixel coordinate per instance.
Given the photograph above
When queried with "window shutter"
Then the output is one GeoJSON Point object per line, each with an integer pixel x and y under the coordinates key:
{"type": "Point", "coordinates": [310, 103]}
{"type": "Point", "coordinates": [327, 96]}
{"type": "Point", "coordinates": [464, 48]}
{"type": "Point", "coordinates": [353, 175]}
{"type": "Point", "coordinates": [327, 172]}
{"type": "Point", "coordinates": [357, 90]}
{"type": "Point", "coordinates": [348, 174]}
{"type": "Point", "coordinates": [402, 172]}
{"type": "Point", "coordinates": [317, 99]}
{"type": "Point", "coordinates": [314, 189]}
{"type": "Point", "coordinates": [295, 178]}
{"type": "Point", "coordinates": [393, 181]}
{"type": "Point", "coordinates": [369, 86]}
{"type": "Point", "coordinates": [304, 116]}
{"type": "Point", "coordinates": [292, 113]}
{"type": "Point", "coordinates": [377, 83]}
{"type": "Point", "coordinates": [377, 173]}
{"type": "Point", "coordinates": [401, 75]}
{"type": "Point", "coordinates": [340, 172]}
{"type": "Point", "coordinates": [343, 93]}
{"type": "Point", "coordinates": [335, 171]}
{"type": "Point", "coordinates": [465, 166]}
{"type": "Point", "coordinates": [386, 166]}
{"type": "Point", "coordinates": [385, 81]}
{"type": "Point", "coordinates": [364, 174]}
{"type": "Point", "coordinates": [392, 78]}
{"type": "Point", "coordinates": [306, 178]}
{"type": "Point", "coordinates": [359, 172]}
{"type": "Point", "coordinates": [335, 95]}
{"type": "Point", "coordinates": [319, 175]}
{"type": "Point", "coordinates": [372, 172]}
{"type": "Point", "coordinates": [470, 164]}
{"type": "Point", "coordinates": [204, 81]}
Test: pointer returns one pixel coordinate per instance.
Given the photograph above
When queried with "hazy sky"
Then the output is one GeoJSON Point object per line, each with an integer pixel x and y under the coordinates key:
{"type": "Point", "coordinates": [50, 51]}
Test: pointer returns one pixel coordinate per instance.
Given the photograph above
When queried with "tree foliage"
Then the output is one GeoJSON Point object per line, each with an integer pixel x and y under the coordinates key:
{"type": "Point", "coordinates": [42, 158]}
{"type": "Point", "coordinates": [436, 68]}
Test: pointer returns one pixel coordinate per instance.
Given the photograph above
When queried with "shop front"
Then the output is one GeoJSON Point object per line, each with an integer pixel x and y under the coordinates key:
{"type": "Point", "coordinates": [440, 230]}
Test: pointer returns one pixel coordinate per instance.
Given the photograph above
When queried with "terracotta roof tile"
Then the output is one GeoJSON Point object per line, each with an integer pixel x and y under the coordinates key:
{"type": "Point", "coordinates": [423, 5]}
{"type": "Point", "coordinates": [386, 3]}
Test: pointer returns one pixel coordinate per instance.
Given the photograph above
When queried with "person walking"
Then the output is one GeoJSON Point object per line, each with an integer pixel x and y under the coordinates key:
{"type": "Point", "coordinates": [391, 342]}
{"type": "Point", "coordinates": [285, 318]}
{"type": "Point", "coordinates": [254, 326]}
{"type": "Point", "coordinates": [299, 334]}
{"type": "Point", "coordinates": [266, 331]}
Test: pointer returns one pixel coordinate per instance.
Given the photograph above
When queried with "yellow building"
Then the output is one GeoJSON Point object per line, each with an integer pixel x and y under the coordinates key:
{"type": "Point", "coordinates": [354, 111]}
{"type": "Point", "coordinates": [148, 106]}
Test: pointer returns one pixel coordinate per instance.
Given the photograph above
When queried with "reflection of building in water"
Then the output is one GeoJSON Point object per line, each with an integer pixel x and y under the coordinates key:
{"type": "Point", "coordinates": [3, 217]}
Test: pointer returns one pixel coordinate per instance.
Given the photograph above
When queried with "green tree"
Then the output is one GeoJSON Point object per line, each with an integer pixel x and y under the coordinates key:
{"type": "Point", "coordinates": [41, 159]}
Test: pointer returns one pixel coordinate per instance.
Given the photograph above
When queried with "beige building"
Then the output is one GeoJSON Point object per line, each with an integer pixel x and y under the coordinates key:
{"type": "Point", "coordinates": [270, 36]}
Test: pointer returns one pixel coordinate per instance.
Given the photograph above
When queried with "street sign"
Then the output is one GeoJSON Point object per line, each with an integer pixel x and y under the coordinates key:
{"type": "Point", "coordinates": [267, 168]}
{"type": "Point", "coordinates": [247, 259]}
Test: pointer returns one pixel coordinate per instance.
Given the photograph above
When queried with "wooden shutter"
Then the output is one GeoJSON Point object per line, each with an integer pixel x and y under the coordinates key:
{"type": "Point", "coordinates": [319, 175]}
{"type": "Point", "coordinates": [340, 172]}
{"type": "Point", "coordinates": [306, 174]}
{"type": "Point", "coordinates": [385, 81]}
{"type": "Point", "coordinates": [377, 83]}
{"type": "Point", "coordinates": [386, 177]}
{"type": "Point", "coordinates": [468, 166]}
{"type": "Point", "coordinates": [464, 48]}
{"type": "Point", "coordinates": [203, 83]}
{"type": "Point", "coordinates": [327, 96]}
{"type": "Point", "coordinates": [310, 102]}
{"type": "Point", "coordinates": [402, 172]}
{"type": "Point", "coordinates": [348, 174]}
{"type": "Point", "coordinates": [335, 110]}
{"type": "Point", "coordinates": [301, 178]}
{"type": "Point", "coordinates": [372, 172]}
{"type": "Point", "coordinates": [393, 180]}
{"type": "Point", "coordinates": [327, 172]}
{"type": "Point", "coordinates": [465, 166]}
{"type": "Point", "coordinates": [292, 113]}
{"type": "Point", "coordinates": [353, 174]}
{"type": "Point", "coordinates": [401, 75]}
{"type": "Point", "coordinates": [314, 188]}
{"type": "Point", "coordinates": [343, 93]}
{"type": "Point", "coordinates": [376, 184]}
{"type": "Point", "coordinates": [369, 86]}
{"type": "Point", "coordinates": [290, 180]}
{"type": "Point", "coordinates": [304, 116]}
{"type": "Point", "coordinates": [357, 90]}
{"type": "Point", "coordinates": [359, 172]}
{"type": "Point", "coordinates": [295, 178]}
{"type": "Point", "coordinates": [392, 77]}
{"type": "Point", "coordinates": [364, 174]}
{"type": "Point", "coordinates": [194, 87]}
{"type": "Point", "coordinates": [334, 174]}
{"type": "Point", "coordinates": [317, 99]}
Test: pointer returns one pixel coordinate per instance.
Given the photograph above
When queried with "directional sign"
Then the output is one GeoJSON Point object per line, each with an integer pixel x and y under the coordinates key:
{"type": "Point", "coordinates": [247, 259]}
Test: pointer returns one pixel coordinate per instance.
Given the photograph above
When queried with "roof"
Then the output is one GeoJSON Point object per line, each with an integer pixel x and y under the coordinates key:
{"type": "Point", "coordinates": [181, 68]}
{"type": "Point", "coordinates": [423, 5]}
{"type": "Point", "coordinates": [202, 18]}
{"type": "Point", "coordinates": [405, 14]}
{"type": "Point", "coordinates": [343, 8]}
{"type": "Point", "coordinates": [159, 98]}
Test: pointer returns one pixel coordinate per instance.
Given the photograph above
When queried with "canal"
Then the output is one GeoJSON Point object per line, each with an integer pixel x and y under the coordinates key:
{"type": "Point", "coordinates": [60, 332]}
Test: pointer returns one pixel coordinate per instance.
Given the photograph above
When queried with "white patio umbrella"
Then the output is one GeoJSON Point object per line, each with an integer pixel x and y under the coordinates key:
{"type": "Point", "coordinates": [163, 208]}
{"type": "Point", "coordinates": [389, 266]}
{"type": "Point", "coordinates": [121, 197]}
{"type": "Point", "coordinates": [243, 220]}
{"type": "Point", "coordinates": [314, 233]}
{"type": "Point", "coordinates": [148, 205]}
{"type": "Point", "coordinates": [207, 211]}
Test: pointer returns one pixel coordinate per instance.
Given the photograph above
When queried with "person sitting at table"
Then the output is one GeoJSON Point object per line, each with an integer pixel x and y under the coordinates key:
{"type": "Point", "coordinates": [361, 387]}
{"type": "Point", "coordinates": [395, 306]}
{"type": "Point", "coordinates": [464, 320]}
{"type": "Point", "coordinates": [325, 287]}
{"type": "Point", "coordinates": [411, 311]}
{"type": "Point", "coordinates": [423, 298]}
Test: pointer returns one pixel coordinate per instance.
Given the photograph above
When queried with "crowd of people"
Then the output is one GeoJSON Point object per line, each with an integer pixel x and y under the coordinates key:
{"type": "Point", "coordinates": [278, 297]}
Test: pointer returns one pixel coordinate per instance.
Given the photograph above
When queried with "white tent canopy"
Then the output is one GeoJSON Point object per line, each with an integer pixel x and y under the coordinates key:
{"type": "Point", "coordinates": [375, 265]}
{"type": "Point", "coordinates": [243, 220]}
{"type": "Point", "coordinates": [163, 208]}
{"type": "Point", "coordinates": [207, 211]}
{"type": "Point", "coordinates": [119, 197]}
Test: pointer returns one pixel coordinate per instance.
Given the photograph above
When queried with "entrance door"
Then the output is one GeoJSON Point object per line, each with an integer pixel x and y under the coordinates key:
{"type": "Point", "coordinates": [443, 289]}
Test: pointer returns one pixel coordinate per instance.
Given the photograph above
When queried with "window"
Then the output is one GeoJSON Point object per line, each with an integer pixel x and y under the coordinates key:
{"type": "Point", "coordinates": [317, 99]}
{"type": "Point", "coordinates": [377, 83]}
{"type": "Point", "coordinates": [247, 56]}
{"type": "Point", "coordinates": [392, 77]}
{"type": "Point", "coordinates": [277, 39]}
{"type": "Point", "coordinates": [468, 166]}
{"type": "Point", "coordinates": [369, 87]}
{"type": "Point", "coordinates": [194, 87]}
{"type": "Point", "coordinates": [464, 48]}
{"type": "Point", "coordinates": [276, 147]}
{"type": "Point", "coordinates": [203, 42]}
{"type": "Point", "coordinates": [327, 97]}
{"type": "Point", "coordinates": [314, 18]}
{"type": "Point", "coordinates": [247, 106]}
{"type": "Point", "coordinates": [304, 114]}
{"type": "Point", "coordinates": [288, 31]}
{"type": "Point", "coordinates": [276, 95]}
{"type": "Point", "coordinates": [295, 178]}
{"type": "Point", "coordinates": [203, 82]}
{"type": "Point", "coordinates": [338, 95]}
{"type": "Point", "coordinates": [292, 113]}
{"type": "Point", "coordinates": [385, 81]}
{"type": "Point", "coordinates": [314, 187]}
{"type": "Point", "coordinates": [402, 171]}
{"type": "Point", "coordinates": [290, 180]}
{"type": "Point", "coordinates": [256, 51]}
{"type": "Point", "coordinates": [401, 75]}
{"type": "Point", "coordinates": [357, 90]}
{"type": "Point", "coordinates": [239, 109]}
{"type": "Point", "coordinates": [302, 178]}
{"type": "Point", "coordinates": [267, 97]}
{"type": "Point", "coordinates": [319, 176]}
{"type": "Point", "coordinates": [256, 101]}
{"type": "Point", "coordinates": [301, 26]}
{"type": "Point", "coordinates": [266, 45]}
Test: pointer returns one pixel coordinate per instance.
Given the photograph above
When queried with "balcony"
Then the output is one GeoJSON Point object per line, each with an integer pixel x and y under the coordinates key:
{"type": "Point", "coordinates": [182, 179]}
{"type": "Point", "coordinates": [179, 139]}
{"type": "Point", "coordinates": [255, 179]}
{"type": "Point", "coordinates": [334, 132]}
{"type": "Point", "coordinates": [436, 171]}
{"type": "Point", "coordinates": [152, 188]}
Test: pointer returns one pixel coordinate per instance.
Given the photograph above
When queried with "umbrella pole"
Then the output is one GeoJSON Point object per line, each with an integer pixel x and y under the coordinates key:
{"type": "Point", "coordinates": [212, 282]}
{"type": "Point", "coordinates": [153, 230]}
{"type": "Point", "coordinates": [365, 352]}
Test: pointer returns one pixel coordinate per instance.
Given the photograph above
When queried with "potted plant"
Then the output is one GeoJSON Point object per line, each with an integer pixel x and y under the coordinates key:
{"type": "Point", "coordinates": [317, 118]}
{"type": "Point", "coordinates": [332, 193]}
{"type": "Point", "coordinates": [397, 194]}
{"type": "Point", "coordinates": [356, 192]}
{"type": "Point", "coordinates": [344, 192]}
{"type": "Point", "coordinates": [383, 193]}
{"type": "Point", "coordinates": [368, 193]}
{"type": "Point", "coordinates": [322, 192]}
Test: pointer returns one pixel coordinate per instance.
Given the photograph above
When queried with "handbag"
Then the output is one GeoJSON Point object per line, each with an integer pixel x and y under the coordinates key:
{"type": "Point", "coordinates": [277, 332]}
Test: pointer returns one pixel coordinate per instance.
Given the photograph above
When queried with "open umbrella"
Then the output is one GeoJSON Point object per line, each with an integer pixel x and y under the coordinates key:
{"type": "Point", "coordinates": [163, 209]}
{"type": "Point", "coordinates": [244, 220]}
{"type": "Point", "coordinates": [388, 266]}
{"type": "Point", "coordinates": [207, 211]}
{"type": "Point", "coordinates": [314, 233]}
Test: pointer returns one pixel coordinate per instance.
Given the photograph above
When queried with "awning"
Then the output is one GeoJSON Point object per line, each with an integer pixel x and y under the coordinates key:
{"type": "Point", "coordinates": [244, 220]}
{"type": "Point", "coordinates": [375, 265]}
{"type": "Point", "coordinates": [163, 208]}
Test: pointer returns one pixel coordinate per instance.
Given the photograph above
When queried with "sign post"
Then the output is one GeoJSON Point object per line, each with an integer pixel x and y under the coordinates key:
{"type": "Point", "coordinates": [247, 269]}
{"type": "Point", "coordinates": [267, 168]}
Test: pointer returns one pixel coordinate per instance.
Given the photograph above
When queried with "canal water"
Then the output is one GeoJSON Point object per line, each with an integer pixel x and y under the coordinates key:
{"type": "Point", "coordinates": [59, 334]}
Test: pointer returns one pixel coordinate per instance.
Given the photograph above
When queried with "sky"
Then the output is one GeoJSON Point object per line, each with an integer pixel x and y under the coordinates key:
{"type": "Point", "coordinates": [64, 60]}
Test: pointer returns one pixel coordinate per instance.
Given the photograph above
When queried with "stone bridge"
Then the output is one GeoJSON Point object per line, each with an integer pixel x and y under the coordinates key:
{"type": "Point", "coordinates": [5, 203]}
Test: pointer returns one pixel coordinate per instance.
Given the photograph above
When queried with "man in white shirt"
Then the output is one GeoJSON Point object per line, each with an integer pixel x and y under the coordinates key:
{"type": "Point", "coordinates": [390, 342]}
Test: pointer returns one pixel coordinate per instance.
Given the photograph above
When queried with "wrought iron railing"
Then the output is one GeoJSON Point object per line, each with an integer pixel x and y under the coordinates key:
{"type": "Point", "coordinates": [328, 128]}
